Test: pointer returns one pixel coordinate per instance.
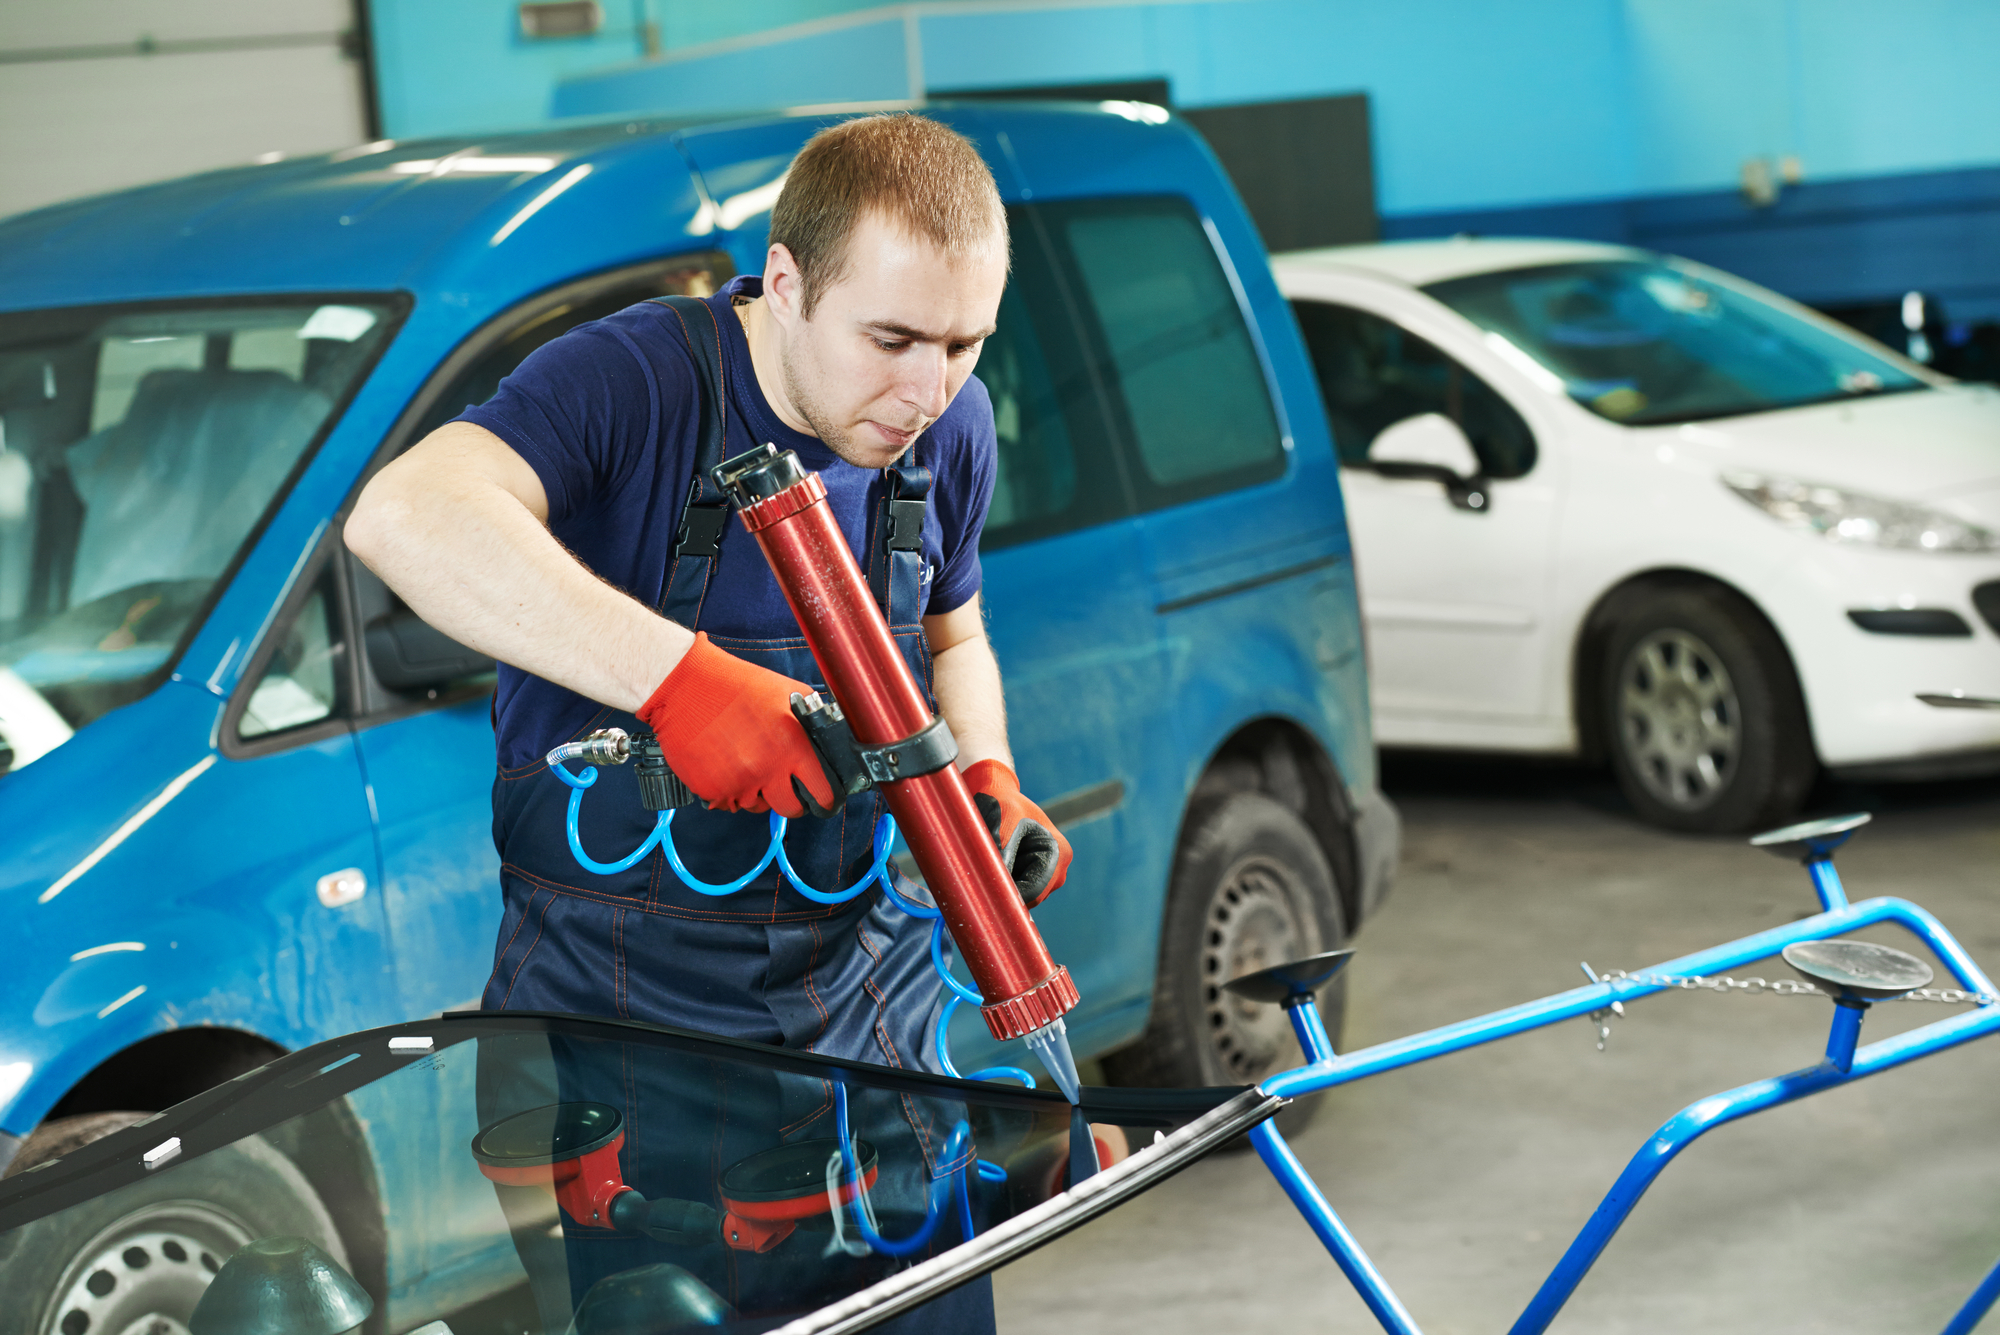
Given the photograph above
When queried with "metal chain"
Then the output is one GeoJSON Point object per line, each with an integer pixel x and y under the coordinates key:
{"type": "Point", "coordinates": [1785, 987]}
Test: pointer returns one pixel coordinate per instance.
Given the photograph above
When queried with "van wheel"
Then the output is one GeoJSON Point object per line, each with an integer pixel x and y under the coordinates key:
{"type": "Point", "coordinates": [140, 1258]}
{"type": "Point", "coordinates": [1702, 714]}
{"type": "Point", "coordinates": [1250, 889]}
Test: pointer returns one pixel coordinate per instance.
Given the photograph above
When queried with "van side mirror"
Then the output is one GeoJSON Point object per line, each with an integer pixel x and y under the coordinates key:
{"type": "Point", "coordinates": [409, 654]}
{"type": "Point", "coordinates": [1432, 447]}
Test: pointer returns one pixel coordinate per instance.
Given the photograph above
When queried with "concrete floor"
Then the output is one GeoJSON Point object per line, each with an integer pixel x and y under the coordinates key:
{"type": "Point", "coordinates": [1874, 1208]}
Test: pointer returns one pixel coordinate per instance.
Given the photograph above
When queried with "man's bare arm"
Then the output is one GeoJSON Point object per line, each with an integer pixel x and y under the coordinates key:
{"type": "Point", "coordinates": [966, 679]}
{"type": "Point", "coordinates": [458, 527]}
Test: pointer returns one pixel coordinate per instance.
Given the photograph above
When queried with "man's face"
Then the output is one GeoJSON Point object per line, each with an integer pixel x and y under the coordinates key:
{"type": "Point", "coordinates": [888, 346]}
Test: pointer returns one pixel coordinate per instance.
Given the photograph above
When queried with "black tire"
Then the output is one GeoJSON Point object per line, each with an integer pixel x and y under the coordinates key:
{"type": "Point", "coordinates": [150, 1249]}
{"type": "Point", "coordinates": [1702, 714]}
{"type": "Point", "coordinates": [1251, 888]}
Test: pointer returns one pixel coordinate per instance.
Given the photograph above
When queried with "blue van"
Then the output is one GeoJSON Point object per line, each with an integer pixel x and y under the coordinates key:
{"type": "Point", "coordinates": [244, 790]}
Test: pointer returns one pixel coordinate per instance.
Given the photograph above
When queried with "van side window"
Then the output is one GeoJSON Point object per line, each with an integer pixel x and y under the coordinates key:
{"type": "Point", "coordinates": [407, 664]}
{"type": "Point", "coordinates": [1176, 348]}
{"type": "Point", "coordinates": [304, 679]}
{"type": "Point", "coordinates": [1373, 373]}
{"type": "Point", "coordinates": [1058, 469]}
{"type": "Point", "coordinates": [692, 276]}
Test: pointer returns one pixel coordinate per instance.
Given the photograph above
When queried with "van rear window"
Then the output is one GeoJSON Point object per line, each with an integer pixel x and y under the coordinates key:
{"type": "Point", "coordinates": [1178, 350]}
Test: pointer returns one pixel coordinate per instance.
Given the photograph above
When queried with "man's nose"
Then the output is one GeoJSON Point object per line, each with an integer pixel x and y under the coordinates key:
{"type": "Point", "coordinates": [924, 385]}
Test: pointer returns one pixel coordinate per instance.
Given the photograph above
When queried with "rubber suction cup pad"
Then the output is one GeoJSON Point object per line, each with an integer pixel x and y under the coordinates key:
{"type": "Point", "coordinates": [555, 1133]}
{"type": "Point", "coordinates": [792, 1172]}
{"type": "Point", "coordinates": [1283, 981]}
{"type": "Point", "coordinates": [1810, 839]}
{"type": "Point", "coordinates": [1858, 969]}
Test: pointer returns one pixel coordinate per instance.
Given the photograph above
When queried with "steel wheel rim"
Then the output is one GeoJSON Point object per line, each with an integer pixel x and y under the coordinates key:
{"type": "Point", "coordinates": [144, 1274]}
{"type": "Point", "coordinates": [1679, 719]}
{"type": "Point", "coordinates": [1255, 919]}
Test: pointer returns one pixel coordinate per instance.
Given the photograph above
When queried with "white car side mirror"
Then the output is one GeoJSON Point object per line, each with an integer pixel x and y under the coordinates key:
{"type": "Point", "coordinates": [1431, 447]}
{"type": "Point", "coordinates": [1428, 438]}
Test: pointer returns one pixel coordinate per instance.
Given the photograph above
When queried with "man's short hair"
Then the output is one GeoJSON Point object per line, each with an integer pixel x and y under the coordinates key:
{"type": "Point", "coordinates": [924, 176]}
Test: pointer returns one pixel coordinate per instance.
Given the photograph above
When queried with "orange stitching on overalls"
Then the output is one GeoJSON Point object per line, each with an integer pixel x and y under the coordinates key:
{"type": "Point", "coordinates": [882, 1041]}
{"type": "Point", "coordinates": [540, 927]}
{"type": "Point", "coordinates": [825, 1102]}
{"type": "Point", "coordinates": [500, 955]}
{"type": "Point", "coordinates": [663, 910]}
{"type": "Point", "coordinates": [540, 763]}
{"type": "Point", "coordinates": [812, 993]}
{"type": "Point", "coordinates": [618, 994]}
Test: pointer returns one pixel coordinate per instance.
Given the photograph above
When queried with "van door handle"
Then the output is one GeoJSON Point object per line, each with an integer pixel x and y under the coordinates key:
{"type": "Point", "coordinates": [338, 889]}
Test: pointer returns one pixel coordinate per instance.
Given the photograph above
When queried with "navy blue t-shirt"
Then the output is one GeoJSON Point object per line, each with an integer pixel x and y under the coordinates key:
{"type": "Point", "coordinates": [607, 415]}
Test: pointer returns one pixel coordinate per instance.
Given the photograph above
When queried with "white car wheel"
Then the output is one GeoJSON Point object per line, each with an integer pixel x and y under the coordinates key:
{"type": "Point", "coordinates": [1680, 719]}
{"type": "Point", "coordinates": [1702, 713]}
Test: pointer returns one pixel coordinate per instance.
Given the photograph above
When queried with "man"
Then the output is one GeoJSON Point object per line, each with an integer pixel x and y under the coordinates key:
{"type": "Point", "coordinates": [558, 528]}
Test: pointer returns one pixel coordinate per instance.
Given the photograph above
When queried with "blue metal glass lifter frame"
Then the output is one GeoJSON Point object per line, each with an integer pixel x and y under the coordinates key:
{"type": "Point", "coordinates": [1843, 1063]}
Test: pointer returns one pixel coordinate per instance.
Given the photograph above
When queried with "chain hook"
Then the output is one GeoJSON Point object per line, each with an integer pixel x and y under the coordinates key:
{"type": "Point", "coordinates": [1602, 1016]}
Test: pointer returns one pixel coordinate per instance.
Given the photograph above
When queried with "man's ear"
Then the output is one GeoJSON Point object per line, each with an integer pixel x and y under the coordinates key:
{"type": "Point", "coordinates": [784, 286]}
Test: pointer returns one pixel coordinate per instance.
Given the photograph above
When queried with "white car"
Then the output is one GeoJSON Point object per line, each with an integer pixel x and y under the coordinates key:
{"type": "Point", "coordinates": [1610, 503]}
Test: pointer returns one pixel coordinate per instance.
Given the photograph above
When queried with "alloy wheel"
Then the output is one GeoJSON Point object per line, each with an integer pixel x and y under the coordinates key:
{"type": "Point", "coordinates": [1679, 720]}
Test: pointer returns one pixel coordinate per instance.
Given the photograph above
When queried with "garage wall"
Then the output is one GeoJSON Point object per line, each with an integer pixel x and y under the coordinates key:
{"type": "Point", "coordinates": [1891, 111]}
{"type": "Point", "coordinates": [1621, 119]}
{"type": "Point", "coordinates": [104, 94]}
{"type": "Point", "coordinates": [1452, 83]}
{"type": "Point", "coordinates": [1625, 120]}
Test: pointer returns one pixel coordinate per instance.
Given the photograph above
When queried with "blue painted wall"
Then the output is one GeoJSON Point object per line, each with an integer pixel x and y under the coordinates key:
{"type": "Point", "coordinates": [1626, 119]}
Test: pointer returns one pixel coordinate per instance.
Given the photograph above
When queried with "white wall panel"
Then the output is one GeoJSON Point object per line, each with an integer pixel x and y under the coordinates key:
{"type": "Point", "coordinates": [73, 123]}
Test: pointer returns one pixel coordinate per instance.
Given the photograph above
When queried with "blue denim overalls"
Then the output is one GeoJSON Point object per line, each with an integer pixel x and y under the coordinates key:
{"type": "Point", "coordinates": [851, 980]}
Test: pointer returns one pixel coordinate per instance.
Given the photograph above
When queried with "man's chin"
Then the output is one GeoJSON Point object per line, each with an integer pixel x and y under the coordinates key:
{"type": "Point", "coordinates": [866, 453]}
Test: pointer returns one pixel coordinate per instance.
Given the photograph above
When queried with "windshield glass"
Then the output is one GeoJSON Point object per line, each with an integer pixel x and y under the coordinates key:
{"type": "Point", "coordinates": [138, 449]}
{"type": "Point", "coordinates": [1646, 343]}
{"type": "Point", "coordinates": [552, 1173]}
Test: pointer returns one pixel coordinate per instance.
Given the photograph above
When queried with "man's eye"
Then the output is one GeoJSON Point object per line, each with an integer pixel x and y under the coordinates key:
{"type": "Point", "coordinates": [890, 344]}
{"type": "Point", "coordinates": [961, 349]}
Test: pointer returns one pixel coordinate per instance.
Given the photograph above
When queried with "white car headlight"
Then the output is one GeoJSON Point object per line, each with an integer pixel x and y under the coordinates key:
{"type": "Point", "coordinates": [1839, 515]}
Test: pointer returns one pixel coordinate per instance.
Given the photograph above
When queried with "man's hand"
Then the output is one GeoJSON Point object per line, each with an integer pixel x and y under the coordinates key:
{"type": "Point", "coordinates": [726, 729]}
{"type": "Point", "coordinates": [1030, 844]}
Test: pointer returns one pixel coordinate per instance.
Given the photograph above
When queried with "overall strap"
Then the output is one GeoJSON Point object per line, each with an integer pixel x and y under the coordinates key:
{"type": "Point", "coordinates": [896, 566]}
{"type": "Point", "coordinates": [706, 509]}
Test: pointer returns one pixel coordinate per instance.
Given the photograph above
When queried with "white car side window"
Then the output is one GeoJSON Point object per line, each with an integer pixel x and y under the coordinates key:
{"type": "Point", "coordinates": [1373, 374]}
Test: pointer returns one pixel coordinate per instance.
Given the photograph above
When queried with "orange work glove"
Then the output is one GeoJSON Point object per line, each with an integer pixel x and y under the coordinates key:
{"type": "Point", "coordinates": [726, 728]}
{"type": "Point", "coordinates": [1033, 848]}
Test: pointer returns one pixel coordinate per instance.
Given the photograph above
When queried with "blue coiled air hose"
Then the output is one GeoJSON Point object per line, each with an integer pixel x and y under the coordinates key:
{"type": "Point", "coordinates": [942, 1189]}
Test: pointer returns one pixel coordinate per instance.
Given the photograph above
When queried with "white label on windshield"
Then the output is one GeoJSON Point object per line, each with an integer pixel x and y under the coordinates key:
{"type": "Point", "coordinates": [345, 323]}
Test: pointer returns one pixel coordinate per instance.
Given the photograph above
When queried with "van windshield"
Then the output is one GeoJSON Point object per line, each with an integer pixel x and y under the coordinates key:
{"type": "Point", "coordinates": [1645, 344]}
{"type": "Point", "coordinates": [138, 449]}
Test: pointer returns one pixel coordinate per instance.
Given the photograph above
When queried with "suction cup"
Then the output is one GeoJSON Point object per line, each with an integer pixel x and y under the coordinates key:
{"type": "Point", "coordinates": [1290, 983]}
{"type": "Point", "coordinates": [648, 1299]}
{"type": "Point", "coordinates": [1858, 970]}
{"type": "Point", "coordinates": [789, 1181]}
{"type": "Point", "coordinates": [280, 1286]}
{"type": "Point", "coordinates": [1811, 840]}
{"type": "Point", "coordinates": [548, 1135]}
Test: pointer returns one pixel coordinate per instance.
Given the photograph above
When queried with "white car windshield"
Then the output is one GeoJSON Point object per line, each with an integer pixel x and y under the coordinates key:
{"type": "Point", "coordinates": [138, 450]}
{"type": "Point", "coordinates": [1645, 343]}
